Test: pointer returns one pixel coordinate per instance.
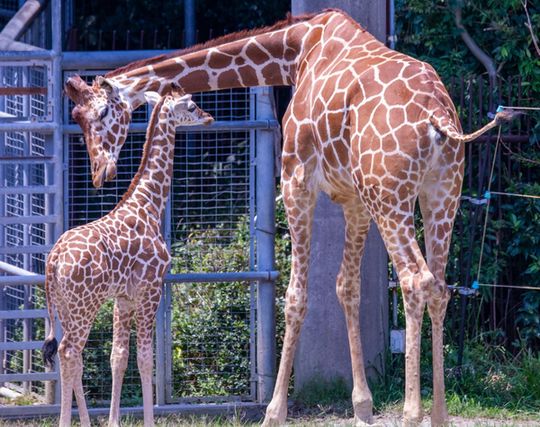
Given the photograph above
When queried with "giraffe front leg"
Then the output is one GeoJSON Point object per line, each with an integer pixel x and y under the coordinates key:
{"type": "Point", "coordinates": [299, 205]}
{"type": "Point", "coordinates": [122, 316]}
{"type": "Point", "coordinates": [357, 221]}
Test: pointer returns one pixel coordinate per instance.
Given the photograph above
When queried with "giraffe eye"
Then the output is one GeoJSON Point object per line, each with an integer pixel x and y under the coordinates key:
{"type": "Point", "coordinates": [103, 112]}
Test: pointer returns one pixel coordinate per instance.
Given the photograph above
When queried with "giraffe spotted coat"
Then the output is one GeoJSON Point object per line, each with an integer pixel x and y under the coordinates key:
{"type": "Point", "coordinates": [122, 256]}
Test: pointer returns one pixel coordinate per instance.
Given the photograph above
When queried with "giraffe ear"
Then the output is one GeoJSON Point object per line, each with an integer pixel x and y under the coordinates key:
{"type": "Point", "coordinates": [186, 98]}
{"type": "Point", "coordinates": [152, 97]}
{"type": "Point", "coordinates": [107, 85]}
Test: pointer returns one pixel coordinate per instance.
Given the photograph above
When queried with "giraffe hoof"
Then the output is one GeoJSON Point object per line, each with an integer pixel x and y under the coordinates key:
{"type": "Point", "coordinates": [272, 422]}
{"type": "Point", "coordinates": [366, 422]}
{"type": "Point", "coordinates": [274, 416]}
{"type": "Point", "coordinates": [439, 421]}
{"type": "Point", "coordinates": [363, 411]}
{"type": "Point", "coordinates": [412, 421]}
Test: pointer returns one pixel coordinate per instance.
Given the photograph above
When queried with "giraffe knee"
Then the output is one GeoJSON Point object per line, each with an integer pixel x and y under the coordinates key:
{"type": "Point", "coordinates": [348, 292]}
{"type": "Point", "coordinates": [66, 351]}
{"type": "Point", "coordinates": [295, 305]}
{"type": "Point", "coordinates": [420, 282]}
{"type": "Point", "coordinates": [437, 299]}
{"type": "Point", "coordinates": [119, 357]}
{"type": "Point", "coordinates": [145, 362]}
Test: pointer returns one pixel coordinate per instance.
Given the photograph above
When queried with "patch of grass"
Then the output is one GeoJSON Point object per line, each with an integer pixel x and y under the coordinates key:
{"type": "Point", "coordinates": [492, 383]}
{"type": "Point", "coordinates": [323, 392]}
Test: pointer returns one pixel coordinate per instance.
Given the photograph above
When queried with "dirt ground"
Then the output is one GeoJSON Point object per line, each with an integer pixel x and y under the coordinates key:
{"type": "Point", "coordinates": [383, 420]}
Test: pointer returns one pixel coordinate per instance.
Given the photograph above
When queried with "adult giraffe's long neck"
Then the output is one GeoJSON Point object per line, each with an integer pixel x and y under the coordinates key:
{"type": "Point", "coordinates": [267, 59]}
{"type": "Point", "coordinates": [150, 187]}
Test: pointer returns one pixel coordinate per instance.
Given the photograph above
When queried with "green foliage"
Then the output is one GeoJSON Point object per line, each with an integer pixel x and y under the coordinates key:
{"type": "Point", "coordinates": [492, 382]}
{"type": "Point", "coordinates": [426, 29]}
{"type": "Point", "coordinates": [211, 322]}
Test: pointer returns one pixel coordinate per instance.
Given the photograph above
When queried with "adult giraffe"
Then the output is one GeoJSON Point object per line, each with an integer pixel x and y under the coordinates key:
{"type": "Point", "coordinates": [373, 128]}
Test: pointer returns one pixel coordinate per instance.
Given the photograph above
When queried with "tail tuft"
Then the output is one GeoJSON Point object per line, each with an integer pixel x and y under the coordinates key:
{"type": "Point", "coordinates": [49, 350]}
{"type": "Point", "coordinates": [506, 115]}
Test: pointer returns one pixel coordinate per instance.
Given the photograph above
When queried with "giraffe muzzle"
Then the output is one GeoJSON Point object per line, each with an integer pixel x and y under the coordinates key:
{"type": "Point", "coordinates": [103, 172]}
{"type": "Point", "coordinates": [207, 119]}
{"type": "Point", "coordinates": [110, 172]}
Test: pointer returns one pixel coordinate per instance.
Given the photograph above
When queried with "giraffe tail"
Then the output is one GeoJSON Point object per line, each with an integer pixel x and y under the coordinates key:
{"type": "Point", "coordinates": [442, 122]}
{"type": "Point", "coordinates": [50, 346]}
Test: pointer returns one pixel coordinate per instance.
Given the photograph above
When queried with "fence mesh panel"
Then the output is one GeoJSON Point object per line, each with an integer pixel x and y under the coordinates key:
{"type": "Point", "coordinates": [13, 236]}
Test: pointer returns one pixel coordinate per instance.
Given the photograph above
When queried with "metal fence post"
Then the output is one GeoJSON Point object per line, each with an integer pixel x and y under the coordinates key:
{"type": "Point", "coordinates": [161, 349]}
{"type": "Point", "coordinates": [264, 231]}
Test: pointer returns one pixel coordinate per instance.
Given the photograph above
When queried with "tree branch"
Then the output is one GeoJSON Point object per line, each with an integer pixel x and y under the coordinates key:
{"type": "Point", "coordinates": [529, 26]}
{"type": "Point", "coordinates": [476, 50]}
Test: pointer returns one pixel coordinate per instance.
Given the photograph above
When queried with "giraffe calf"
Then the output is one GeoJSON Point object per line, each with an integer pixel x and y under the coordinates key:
{"type": "Point", "coordinates": [122, 256]}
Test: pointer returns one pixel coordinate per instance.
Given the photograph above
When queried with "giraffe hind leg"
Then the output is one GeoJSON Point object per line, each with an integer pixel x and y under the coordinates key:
{"type": "Point", "coordinates": [145, 355]}
{"type": "Point", "coordinates": [122, 317]}
{"type": "Point", "coordinates": [397, 230]}
{"type": "Point", "coordinates": [438, 216]}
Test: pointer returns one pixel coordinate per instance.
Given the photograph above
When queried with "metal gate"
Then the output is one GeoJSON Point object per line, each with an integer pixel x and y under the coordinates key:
{"type": "Point", "coordinates": [215, 325]}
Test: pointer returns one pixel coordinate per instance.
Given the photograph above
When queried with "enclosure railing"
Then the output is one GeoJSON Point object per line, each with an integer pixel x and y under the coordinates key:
{"type": "Point", "coordinates": [240, 176]}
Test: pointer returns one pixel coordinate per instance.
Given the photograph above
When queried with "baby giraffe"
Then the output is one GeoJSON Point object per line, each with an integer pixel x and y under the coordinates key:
{"type": "Point", "coordinates": [124, 256]}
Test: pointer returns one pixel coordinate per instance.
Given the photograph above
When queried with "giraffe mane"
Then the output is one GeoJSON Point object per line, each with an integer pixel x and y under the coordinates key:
{"type": "Point", "coordinates": [287, 22]}
{"type": "Point", "coordinates": [152, 124]}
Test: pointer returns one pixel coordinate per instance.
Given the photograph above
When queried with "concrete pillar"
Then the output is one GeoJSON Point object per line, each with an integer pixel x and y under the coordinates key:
{"type": "Point", "coordinates": [323, 349]}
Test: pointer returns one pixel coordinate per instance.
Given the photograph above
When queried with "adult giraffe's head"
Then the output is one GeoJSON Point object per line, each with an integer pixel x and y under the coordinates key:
{"type": "Point", "coordinates": [104, 118]}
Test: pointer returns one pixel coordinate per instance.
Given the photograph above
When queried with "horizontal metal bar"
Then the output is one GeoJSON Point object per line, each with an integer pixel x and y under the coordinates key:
{"type": "Point", "coordinates": [221, 277]}
{"type": "Point", "coordinates": [26, 55]}
{"type": "Point", "coordinates": [246, 410]}
{"type": "Point", "coordinates": [31, 189]}
{"type": "Point", "coordinates": [170, 278]}
{"type": "Point", "coordinates": [216, 126]}
{"type": "Point", "coordinates": [26, 160]}
{"type": "Point", "coordinates": [20, 345]}
{"type": "Point", "coordinates": [24, 314]}
{"type": "Point", "coordinates": [6, 91]}
{"type": "Point", "coordinates": [31, 249]}
{"type": "Point", "coordinates": [38, 279]}
{"type": "Point", "coordinates": [105, 59]}
{"type": "Point", "coordinates": [13, 269]}
{"type": "Point", "coordinates": [24, 126]}
{"type": "Point", "coordinates": [42, 219]}
{"type": "Point", "coordinates": [31, 376]}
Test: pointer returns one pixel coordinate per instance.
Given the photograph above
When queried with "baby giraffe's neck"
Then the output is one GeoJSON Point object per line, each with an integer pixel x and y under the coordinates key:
{"type": "Point", "coordinates": [150, 187]}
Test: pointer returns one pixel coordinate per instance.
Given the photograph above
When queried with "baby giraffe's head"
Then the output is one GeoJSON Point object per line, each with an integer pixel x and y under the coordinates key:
{"type": "Point", "coordinates": [180, 109]}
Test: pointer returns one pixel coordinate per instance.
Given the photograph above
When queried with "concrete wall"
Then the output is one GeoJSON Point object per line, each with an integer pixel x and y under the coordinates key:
{"type": "Point", "coordinates": [370, 13]}
{"type": "Point", "coordinates": [323, 349]}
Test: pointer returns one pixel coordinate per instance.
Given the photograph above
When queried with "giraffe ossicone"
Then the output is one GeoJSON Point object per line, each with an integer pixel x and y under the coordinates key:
{"type": "Point", "coordinates": [123, 256]}
{"type": "Point", "coordinates": [371, 127]}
